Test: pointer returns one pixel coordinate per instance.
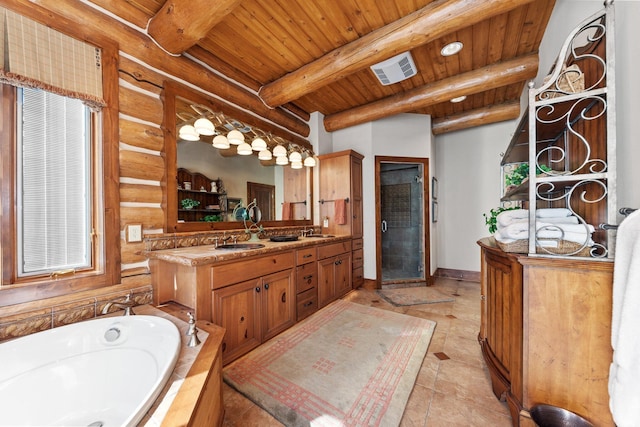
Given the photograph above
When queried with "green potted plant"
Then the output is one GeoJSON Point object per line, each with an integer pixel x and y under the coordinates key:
{"type": "Point", "coordinates": [491, 219]}
{"type": "Point", "coordinates": [521, 172]}
{"type": "Point", "coordinates": [189, 203]}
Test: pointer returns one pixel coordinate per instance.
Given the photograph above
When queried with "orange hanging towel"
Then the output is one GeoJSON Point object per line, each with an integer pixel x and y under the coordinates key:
{"type": "Point", "coordinates": [286, 211]}
{"type": "Point", "coordinates": [340, 214]}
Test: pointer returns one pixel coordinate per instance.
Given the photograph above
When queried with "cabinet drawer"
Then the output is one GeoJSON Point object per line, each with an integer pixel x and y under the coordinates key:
{"type": "Point", "coordinates": [356, 244]}
{"type": "Point", "coordinates": [307, 303]}
{"type": "Point", "coordinates": [306, 277]}
{"type": "Point", "coordinates": [306, 255]}
{"type": "Point", "coordinates": [358, 277]}
{"type": "Point", "coordinates": [357, 259]}
{"type": "Point", "coordinates": [333, 249]}
{"type": "Point", "coordinates": [245, 269]}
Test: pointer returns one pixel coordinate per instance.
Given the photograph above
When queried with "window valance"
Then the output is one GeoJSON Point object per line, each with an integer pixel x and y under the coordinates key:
{"type": "Point", "coordinates": [34, 55]}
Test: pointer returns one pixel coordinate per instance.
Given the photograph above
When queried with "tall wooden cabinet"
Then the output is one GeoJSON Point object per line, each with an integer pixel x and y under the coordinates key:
{"type": "Point", "coordinates": [546, 332]}
{"type": "Point", "coordinates": [341, 179]}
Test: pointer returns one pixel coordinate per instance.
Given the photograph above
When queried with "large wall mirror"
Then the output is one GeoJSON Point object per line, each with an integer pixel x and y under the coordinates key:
{"type": "Point", "coordinates": [206, 182]}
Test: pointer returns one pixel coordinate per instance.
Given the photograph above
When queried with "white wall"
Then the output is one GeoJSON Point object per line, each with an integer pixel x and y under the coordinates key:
{"type": "Point", "coordinates": [405, 135]}
{"type": "Point", "coordinates": [468, 161]}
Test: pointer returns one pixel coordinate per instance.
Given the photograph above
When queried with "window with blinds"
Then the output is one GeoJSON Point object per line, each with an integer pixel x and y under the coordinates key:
{"type": "Point", "coordinates": [53, 187]}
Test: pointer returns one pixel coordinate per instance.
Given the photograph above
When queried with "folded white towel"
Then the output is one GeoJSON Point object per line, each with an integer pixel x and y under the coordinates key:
{"type": "Point", "coordinates": [573, 228]}
{"type": "Point", "coordinates": [500, 238]}
{"type": "Point", "coordinates": [577, 233]}
{"type": "Point", "coordinates": [552, 212]}
{"type": "Point", "coordinates": [562, 220]}
{"type": "Point", "coordinates": [579, 238]}
{"type": "Point", "coordinates": [506, 218]}
{"type": "Point", "coordinates": [517, 230]}
{"type": "Point", "coordinates": [624, 374]}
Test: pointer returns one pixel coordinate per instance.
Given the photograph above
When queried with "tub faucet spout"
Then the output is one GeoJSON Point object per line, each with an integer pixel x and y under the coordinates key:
{"type": "Point", "coordinates": [126, 305]}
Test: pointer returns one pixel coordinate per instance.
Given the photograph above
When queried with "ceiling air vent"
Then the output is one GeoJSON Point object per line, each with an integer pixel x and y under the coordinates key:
{"type": "Point", "coordinates": [395, 69]}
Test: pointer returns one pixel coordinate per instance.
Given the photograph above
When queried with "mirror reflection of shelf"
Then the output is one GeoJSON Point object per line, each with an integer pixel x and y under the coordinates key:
{"type": "Point", "coordinates": [210, 203]}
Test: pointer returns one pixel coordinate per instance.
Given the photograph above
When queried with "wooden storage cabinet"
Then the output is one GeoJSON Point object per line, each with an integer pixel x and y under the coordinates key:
{"type": "Point", "coordinates": [336, 169]}
{"type": "Point", "coordinates": [546, 332]}
{"type": "Point", "coordinates": [334, 272]}
{"type": "Point", "coordinates": [307, 287]}
{"type": "Point", "coordinates": [278, 303]}
{"type": "Point", "coordinates": [237, 309]}
{"type": "Point", "coordinates": [254, 311]}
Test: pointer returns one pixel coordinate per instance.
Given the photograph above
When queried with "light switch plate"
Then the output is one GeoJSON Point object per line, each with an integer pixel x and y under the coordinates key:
{"type": "Point", "coordinates": [134, 233]}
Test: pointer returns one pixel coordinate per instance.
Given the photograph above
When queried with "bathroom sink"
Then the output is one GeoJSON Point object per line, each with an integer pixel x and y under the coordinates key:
{"type": "Point", "coordinates": [241, 246]}
{"type": "Point", "coordinates": [321, 235]}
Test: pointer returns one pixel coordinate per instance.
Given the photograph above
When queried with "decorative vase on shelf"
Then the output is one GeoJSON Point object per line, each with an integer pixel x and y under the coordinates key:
{"type": "Point", "coordinates": [214, 187]}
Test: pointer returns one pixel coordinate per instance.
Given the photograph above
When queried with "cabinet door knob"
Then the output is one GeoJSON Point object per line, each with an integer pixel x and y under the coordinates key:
{"type": "Point", "coordinates": [284, 297]}
{"type": "Point", "coordinates": [257, 288]}
{"type": "Point", "coordinates": [308, 277]}
{"type": "Point", "coordinates": [266, 286]}
{"type": "Point", "coordinates": [307, 304]}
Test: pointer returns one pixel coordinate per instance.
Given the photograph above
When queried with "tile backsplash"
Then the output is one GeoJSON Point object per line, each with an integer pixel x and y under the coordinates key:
{"type": "Point", "coordinates": [17, 321]}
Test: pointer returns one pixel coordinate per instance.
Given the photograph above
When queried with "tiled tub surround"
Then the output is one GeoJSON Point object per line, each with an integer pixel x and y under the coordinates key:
{"type": "Point", "coordinates": [35, 316]}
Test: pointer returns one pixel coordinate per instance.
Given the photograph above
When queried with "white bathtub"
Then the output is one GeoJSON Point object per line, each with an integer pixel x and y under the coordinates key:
{"type": "Point", "coordinates": [102, 372]}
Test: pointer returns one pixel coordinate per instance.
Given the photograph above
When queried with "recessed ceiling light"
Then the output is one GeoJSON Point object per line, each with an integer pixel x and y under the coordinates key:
{"type": "Point", "coordinates": [451, 49]}
{"type": "Point", "coordinates": [459, 98]}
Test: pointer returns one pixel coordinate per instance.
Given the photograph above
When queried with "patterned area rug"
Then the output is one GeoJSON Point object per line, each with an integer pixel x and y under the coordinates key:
{"type": "Point", "coordinates": [346, 365]}
{"type": "Point", "coordinates": [414, 296]}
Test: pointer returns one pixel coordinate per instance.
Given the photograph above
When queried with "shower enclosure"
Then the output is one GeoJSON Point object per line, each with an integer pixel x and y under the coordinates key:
{"type": "Point", "coordinates": [402, 235]}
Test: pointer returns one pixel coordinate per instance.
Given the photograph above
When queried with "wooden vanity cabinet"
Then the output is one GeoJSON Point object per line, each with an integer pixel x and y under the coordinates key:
{"type": "Point", "coordinates": [237, 309]}
{"type": "Point", "coordinates": [253, 310]}
{"type": "Point", "coordinates": [306, 282]}
{"type": "Point", "coordinates": [334, 271]}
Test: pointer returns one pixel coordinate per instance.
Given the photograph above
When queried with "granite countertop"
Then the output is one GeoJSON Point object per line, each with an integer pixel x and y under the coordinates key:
{"type": "Point", "coordinates": [208, 254]}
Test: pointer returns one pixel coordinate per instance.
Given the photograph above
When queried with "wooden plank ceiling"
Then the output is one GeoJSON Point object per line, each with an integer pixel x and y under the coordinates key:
{"type": "Point", "coordinates": [315, 55]}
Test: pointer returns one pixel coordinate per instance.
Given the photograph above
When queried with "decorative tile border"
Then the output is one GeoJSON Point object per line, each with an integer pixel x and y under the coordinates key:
{"type": "Point", "coordinates": [70, 311]}
{"type": "Point", "coordinates": [185, 240]}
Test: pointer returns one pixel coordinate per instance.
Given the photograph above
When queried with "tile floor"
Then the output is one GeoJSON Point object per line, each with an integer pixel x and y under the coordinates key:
{"type": "Point", "coordinates": [449, 392]}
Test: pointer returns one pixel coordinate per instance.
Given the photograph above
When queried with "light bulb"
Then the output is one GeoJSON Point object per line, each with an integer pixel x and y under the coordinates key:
{"type": "Point", "coordinates": [221, 141]}
{"type": "Point", "coordinates": [296, 164]}
{"type": "Point", "coordinates": [235, 137]}
{"type": "Point", "coordinates": [258, 144]}
{"type": "Point", "coordinates": [310, 162]}
{"type": "Point", "coordinates": [244, 149]}
{"type": "Point", "coordinates": [282, 160]}
{"type": "Point", "coordinates": [280, 151]}
{"type": "Point", "coordinates": [265, 155]}
{"type": "Point", "coordinates": [295, 156]}
{"type": "Point", "coordinates": [204, 126]}
{"type": "Point", "coordinates": [188, 133]}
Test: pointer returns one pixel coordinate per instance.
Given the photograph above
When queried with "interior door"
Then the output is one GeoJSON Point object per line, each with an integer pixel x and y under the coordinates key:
{"type": "Point", "coordinates": [265, 196]}
{"type": "Point", "coordinates": [402, 236]}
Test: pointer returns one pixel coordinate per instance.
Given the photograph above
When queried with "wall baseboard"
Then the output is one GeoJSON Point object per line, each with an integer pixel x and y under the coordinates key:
{"type": "Point", "coordinates": [448, 273]}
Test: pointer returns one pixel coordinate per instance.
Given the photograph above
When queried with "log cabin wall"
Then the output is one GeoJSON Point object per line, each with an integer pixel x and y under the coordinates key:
{"type": "Point", "coordinates": [143, 68]}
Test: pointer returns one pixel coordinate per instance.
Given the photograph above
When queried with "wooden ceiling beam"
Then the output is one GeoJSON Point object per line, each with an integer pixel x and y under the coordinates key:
{"type": "Point", "coordinates": [139, 46]}
{"type": "Point", "coordinates": [476, 81]}
{"type": "Point", "coordinates": [180, 24]}
{"type": "Point", "coordinates": [433, 21]}
{"type": "Point", "coordinates": [477, 117]}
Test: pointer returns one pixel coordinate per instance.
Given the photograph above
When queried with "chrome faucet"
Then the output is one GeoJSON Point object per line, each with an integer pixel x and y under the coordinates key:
{"type": "Point", "coordinates": [126, 305]}
{"type": "Point", "coordinates": [192, 332]}
{"type": "Point", "coordinates": [306, 232]}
